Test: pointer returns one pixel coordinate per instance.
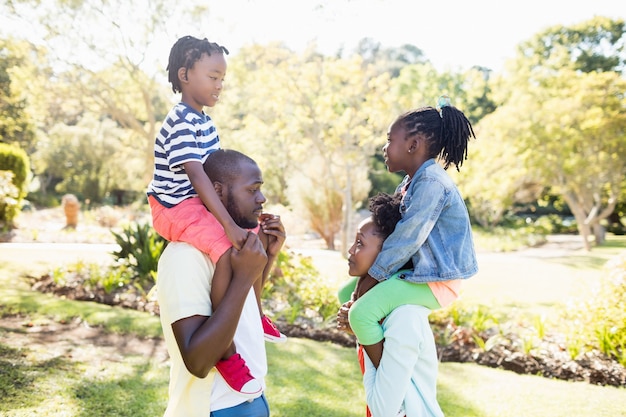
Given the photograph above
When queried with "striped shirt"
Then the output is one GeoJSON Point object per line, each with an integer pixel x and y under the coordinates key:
{"type": "Point", "coordinates": [185, 136]}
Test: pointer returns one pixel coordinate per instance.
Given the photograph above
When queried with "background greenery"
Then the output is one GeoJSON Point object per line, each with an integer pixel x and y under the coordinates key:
{"type": "Point", "coordinates": [550, 125]}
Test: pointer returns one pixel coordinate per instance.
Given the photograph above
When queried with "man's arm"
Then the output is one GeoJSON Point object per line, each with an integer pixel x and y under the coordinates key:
{"type": "Point", "coordinates": [203, 340]}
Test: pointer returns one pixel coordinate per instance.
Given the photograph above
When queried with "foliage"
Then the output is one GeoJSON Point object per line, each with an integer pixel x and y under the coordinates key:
{"type": "Point", "coordinates": [91, 157]}
{"type": "Point", "coordinates": [295, 291]}
{"type": "Point", "coordinates": [16, 122]}
{"type": "Point", "coordinates": [140, 249]}
{"type": "Point", "coordinates": [15, 167]}
{"type": "Point", "coordinates": [599, 321]}
{"type": "Point", "coordinates": [9, 206]}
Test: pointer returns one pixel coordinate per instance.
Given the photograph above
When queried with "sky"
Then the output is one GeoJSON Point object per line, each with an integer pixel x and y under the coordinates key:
{"type": "Point", "coordinates": [453, 34]}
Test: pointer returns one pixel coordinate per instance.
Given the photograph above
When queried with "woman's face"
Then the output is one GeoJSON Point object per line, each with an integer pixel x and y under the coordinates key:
{"type": "Point", "coordinates": [365, 248]}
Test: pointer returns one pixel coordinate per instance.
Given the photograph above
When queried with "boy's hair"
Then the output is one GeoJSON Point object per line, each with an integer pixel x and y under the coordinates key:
{"type": "Point", "coordinates": [385, 209]}
{"type": "Point", "coordinates": [185, 52]}
{"type": "Point", "coordinates": [447, 131]}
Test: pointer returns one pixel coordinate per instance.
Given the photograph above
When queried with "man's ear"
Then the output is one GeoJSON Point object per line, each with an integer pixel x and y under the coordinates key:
{"type": "Point", "coordinates": [182, 74]}
{"type": "Point", "coordinates": [218, 189]}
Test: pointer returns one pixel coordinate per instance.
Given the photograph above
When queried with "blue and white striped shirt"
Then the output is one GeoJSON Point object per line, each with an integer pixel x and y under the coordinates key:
{"type": "Point", "coordinates": [185, 136]}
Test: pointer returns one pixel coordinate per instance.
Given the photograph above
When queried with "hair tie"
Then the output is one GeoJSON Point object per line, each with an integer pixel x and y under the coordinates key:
{"type": "Point", "coordinates": [443, 101]}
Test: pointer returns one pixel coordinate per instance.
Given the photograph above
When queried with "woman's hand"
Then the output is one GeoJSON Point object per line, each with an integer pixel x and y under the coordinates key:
{"type": "Point", "coordinates": [342, 318]}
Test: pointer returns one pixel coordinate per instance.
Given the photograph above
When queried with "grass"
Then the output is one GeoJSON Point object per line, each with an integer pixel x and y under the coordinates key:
{"type": "Point", "coordinates": [306, 378]}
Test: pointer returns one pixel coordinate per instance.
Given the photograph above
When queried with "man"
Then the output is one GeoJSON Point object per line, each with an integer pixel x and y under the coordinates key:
{"type": "Point", "coordinates": [196, 336]}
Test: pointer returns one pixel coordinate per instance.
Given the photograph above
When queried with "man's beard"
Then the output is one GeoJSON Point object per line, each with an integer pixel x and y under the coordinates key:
{"type": "Point", "coordinates": [239, 218]}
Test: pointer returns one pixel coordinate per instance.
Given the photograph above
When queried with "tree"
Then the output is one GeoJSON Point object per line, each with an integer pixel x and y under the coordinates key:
{"type": "Point", "coordinates": [314, 131]}
{"type": "Point", "coordinates": [91, 158]}
{"type": "Point", "coordinates": [16, 124]}
{"type": "Point", "coordinates": [564, 95]}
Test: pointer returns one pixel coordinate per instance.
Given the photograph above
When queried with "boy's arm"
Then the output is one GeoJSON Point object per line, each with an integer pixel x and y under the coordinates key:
{"type": "Point", "coordinates": [204, 187]}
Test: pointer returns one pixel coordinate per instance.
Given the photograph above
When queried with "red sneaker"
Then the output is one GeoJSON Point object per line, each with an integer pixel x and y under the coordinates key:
{"type": "Point", "coordinates": [270, 331]}
{"type": "Point", "coordinates": [237, 376]}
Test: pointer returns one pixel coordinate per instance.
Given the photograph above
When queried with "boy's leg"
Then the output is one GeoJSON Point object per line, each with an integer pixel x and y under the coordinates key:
{"type": "Point", "coordinates": [190, 221]}
{"type": "Point", "coordinates": [232, 366]}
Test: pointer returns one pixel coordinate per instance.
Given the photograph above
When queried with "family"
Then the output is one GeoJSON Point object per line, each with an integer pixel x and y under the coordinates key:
{"type": "Point", "coordinates": [408, 258]}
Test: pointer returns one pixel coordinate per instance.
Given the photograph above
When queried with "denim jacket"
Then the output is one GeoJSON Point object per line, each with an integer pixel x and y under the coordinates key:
{"type": "Point", "coordinates": [434, 232]}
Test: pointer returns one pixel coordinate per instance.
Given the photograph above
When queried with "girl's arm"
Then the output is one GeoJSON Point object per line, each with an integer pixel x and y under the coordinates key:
{"type": "Point", "coordinates": [204, 187]}
{"type": "Point", "coordinates": [427, 202]}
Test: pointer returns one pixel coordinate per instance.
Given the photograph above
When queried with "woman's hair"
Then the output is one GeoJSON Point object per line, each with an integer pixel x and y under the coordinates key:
{"type": "Point", "coordinates": [185, 52]}
{"type": "Point", "coordinates": [447, 131]}
{"type": "Point", "coordinates": [385, 209]}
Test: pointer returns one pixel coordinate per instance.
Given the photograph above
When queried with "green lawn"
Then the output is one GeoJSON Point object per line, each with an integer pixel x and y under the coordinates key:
{"type": "Point", "coordinates": [306, 378]}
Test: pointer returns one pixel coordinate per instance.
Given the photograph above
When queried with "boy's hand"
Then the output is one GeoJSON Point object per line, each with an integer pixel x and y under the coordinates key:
{"type": "Point", "coordinates": [342, 318]}
{"type": "Point", "coordinates": [274, 230]}
{"type": "Point", "coordinates": [249, 262]}
{"type": "Point", "coordinates": [237, 236]}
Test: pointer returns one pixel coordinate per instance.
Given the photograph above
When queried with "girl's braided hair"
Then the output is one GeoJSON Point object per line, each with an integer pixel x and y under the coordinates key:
{"type": "Point", "coordinates": [385, 209]}
{"type": "Point", "coordinates": [185, 52]}
{"type": "Point", "coordinates": [447, 131]}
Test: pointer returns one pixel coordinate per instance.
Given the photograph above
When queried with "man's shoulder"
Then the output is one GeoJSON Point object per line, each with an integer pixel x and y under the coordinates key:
{"type": "Point", "coordinates": [176, 252]}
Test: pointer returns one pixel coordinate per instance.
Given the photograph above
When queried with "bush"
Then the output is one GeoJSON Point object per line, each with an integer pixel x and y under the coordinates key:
{"type": "Point", "coordinates": [599, 322]}
{"type": "Point", "coordinates": [140, 249]}
{"type": "Point", "coordinates": [9, 204]}
{"type": "Point", "coordinates": [294, 290]}
{"type": "Point", "coordinates": [15, 161]}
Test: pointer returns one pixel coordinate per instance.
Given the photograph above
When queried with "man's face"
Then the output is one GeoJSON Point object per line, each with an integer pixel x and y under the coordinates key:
{"type": "Point", "coordinates": [244, 199]}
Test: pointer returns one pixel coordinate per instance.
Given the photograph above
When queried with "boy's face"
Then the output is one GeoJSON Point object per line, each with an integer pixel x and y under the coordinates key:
{"type": "Point", "coordinates": [365, 248]}
{"type": "Point", "coordinates": [202, 84]}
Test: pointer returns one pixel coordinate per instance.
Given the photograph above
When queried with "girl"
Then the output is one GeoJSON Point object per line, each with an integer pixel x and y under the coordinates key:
{"type": "Point", "coordinates": [435, 231]}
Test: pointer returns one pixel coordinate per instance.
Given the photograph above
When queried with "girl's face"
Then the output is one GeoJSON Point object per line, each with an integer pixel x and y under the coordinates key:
{"type": "Point", "coordinates": [202, 83]}
{"type": "Point", "coordinates": [397, 150]}
{"type": "Point", "coordinates": [365, 248]}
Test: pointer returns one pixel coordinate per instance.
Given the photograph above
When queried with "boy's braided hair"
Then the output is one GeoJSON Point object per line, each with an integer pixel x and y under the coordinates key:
{"type": "Point", "coordinates": [185, 52]}
{"type": "Point", "coordinates": [447, 131]}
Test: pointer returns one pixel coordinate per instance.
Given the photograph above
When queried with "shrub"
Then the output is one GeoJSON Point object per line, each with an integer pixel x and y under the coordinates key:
{"type": "Point", "coordinates": [294, 290]}
{"type": "Point", "coordinates": [14, 160]}
{"type": "Point", "coordinates": [9, 204]}
{"type": "Point", "coordinates": [599, 322]}
{"type": "Point", "coordinates": [140, 249]}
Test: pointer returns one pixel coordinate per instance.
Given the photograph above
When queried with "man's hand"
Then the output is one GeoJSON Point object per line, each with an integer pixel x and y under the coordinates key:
{"type": "Point", "coordinates": [342, 318]}
{"type": "Point", "coordinates": [274, 231]}
{"type": "Point", "coordinates": [249, 262]}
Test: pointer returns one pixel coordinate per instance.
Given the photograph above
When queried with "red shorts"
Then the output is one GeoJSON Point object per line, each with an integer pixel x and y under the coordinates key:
{"type": "Point", "coordinates": [191, 222]}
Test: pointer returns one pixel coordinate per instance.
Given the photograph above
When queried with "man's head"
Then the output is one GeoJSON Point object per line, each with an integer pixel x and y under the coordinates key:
{"type": "Point", "coordinates": [237, 180]}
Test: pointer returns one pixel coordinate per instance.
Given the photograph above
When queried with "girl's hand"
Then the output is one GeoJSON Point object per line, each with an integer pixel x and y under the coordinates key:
{"type": "Point", "coordinates": [342, 318]}
{"type": "Point", "coordinates": [274, 231]}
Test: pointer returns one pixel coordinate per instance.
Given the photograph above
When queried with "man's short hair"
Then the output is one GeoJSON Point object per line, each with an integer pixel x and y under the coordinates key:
{"type": "Point", "coordinates": [224, 165]}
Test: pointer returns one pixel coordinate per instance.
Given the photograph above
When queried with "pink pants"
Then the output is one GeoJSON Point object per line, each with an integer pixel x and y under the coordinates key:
{"type": "Point", "coordinates": [190, 222]}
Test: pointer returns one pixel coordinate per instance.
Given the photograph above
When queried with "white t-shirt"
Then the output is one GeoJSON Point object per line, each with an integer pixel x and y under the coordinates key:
{"type": "Point", "coordinates": [183, 290]}
{"type": "Point", "coordinates": [407, 374]}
